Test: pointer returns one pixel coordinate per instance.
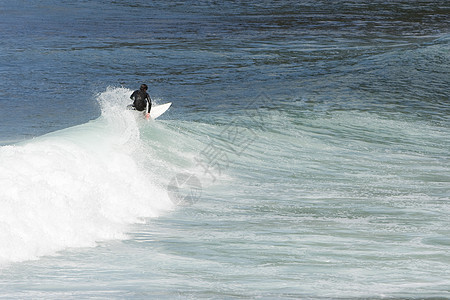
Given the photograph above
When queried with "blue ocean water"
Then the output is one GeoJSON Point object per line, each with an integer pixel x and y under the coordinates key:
{"type": "Point", "coordinates": [306, 153]}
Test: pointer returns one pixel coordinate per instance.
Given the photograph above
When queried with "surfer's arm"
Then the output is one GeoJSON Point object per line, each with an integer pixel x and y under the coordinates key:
{"type": "Point", "coordinates": [149, 102]}
{"type": "Point", "coordinates": [132, 97]}
{"type": "Point", "coordinates": [149, 106]}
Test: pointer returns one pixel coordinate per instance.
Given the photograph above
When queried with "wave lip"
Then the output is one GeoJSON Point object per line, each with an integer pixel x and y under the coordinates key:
{"type": "Point", "coordinates": [75, 187]}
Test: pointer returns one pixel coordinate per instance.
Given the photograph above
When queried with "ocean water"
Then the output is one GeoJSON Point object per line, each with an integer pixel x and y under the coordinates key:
{"type": "Point", "coordinates": [306, 153]}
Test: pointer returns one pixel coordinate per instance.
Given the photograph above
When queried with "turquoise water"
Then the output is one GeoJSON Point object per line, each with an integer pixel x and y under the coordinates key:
{"type": "Point", "coordinates": [305, 154]}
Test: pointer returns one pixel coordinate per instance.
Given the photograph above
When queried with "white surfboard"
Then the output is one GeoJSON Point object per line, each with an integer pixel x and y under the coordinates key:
{"type": "Point", "coordinates": [158, 110]}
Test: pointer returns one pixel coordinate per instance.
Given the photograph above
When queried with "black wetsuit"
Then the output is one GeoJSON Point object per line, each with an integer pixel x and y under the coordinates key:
{"type": "Point", "coordinates": [140, 99]}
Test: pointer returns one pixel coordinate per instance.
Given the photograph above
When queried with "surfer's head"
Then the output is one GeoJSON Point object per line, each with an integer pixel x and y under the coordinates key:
{"type": "Point", "coordinates": [144, 87]}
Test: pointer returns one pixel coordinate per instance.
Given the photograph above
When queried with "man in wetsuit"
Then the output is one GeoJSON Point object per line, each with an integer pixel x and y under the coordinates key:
{"type": "Point", "coordinates": [141, 99]}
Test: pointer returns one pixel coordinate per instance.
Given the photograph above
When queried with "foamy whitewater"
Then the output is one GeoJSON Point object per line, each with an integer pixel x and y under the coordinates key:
{"type": "Point", "coordinates": [78, 186]}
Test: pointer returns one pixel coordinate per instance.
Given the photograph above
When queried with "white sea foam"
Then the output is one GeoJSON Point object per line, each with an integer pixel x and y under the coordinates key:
{"type": "Point", "coordinates": [77, 186]}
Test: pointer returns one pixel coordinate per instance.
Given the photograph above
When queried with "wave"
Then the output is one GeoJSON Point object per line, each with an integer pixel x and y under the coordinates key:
{"type": "Point", "coordinates": [77, 186]}
{"type": "Point", "coordinates": [85, 184]}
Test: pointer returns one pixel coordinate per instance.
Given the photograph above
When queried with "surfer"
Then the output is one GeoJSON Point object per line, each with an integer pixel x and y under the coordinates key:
{"type": "Point", "coordinates": [141, 99]}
